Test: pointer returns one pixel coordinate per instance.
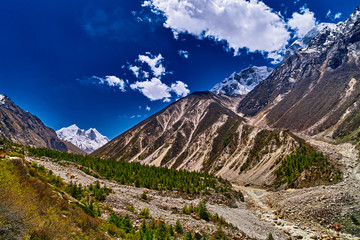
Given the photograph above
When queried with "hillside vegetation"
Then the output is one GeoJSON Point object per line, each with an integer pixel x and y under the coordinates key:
{"type": "Point", "coordinates": [304, 168]}
{"type": "Point", "coordinates": [36, 204]}
{"type": "Point", "coordinates": [139, 175]}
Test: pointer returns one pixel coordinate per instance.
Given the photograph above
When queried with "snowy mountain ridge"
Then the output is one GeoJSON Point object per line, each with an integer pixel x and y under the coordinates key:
{"type": "Point", "coordinates": [303, 43]}
{"type": "Point", "coordinates": [87, 140]}
{"type": "Point", "coordinates": [243, 82]}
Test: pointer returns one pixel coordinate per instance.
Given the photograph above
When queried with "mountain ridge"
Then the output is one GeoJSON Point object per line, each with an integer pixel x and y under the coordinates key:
{"type": "Point", "coordinates": [325, 73]}
{"type": "Point", "coordinates": [22, 127]}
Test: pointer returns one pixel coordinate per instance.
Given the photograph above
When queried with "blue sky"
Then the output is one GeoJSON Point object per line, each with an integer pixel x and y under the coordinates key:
{"type": "Point", "coordinates": [110, 64]}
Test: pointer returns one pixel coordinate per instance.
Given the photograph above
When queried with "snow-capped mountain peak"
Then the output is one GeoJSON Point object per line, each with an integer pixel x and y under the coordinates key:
{"type": "Point", "coordinates": [87, 140]}
{"type": "Point", "coordinates": [243, 82]}
{"type": "Point", "coordinates": [303, 43]}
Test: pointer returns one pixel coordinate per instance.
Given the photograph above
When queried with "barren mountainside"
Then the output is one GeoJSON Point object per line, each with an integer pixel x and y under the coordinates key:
{"type": "Point", "coordinates": [199, 133]}
{"type": "Point", "coordinates": [22, 127]}
{"type": "Point", "coordinates": [315, 90]}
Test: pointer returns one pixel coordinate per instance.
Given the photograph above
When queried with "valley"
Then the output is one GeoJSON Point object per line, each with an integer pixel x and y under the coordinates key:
{"type": "Point", "coordinates": [265, 154]}
{"type": "Point", "coordinates": [286, 213]}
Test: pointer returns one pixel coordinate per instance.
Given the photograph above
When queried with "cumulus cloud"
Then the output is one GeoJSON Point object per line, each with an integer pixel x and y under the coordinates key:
{"type": "Point", "coordinates": [240, 23]}
{"type": "Point", "coordinates": [180, 88]}
{"type": "Point", "coordinates": [111, 81]}
{"type": "Point", "coordinates": [155, 64]}
{"type": "Point", "coordinates": [333, 16]}
{"type": "Point", "coordinates": [302, 22]}
{"type": "Point", "coordinates": [184, 53]}
{"type": "Point", "coordinates": [155, 89]}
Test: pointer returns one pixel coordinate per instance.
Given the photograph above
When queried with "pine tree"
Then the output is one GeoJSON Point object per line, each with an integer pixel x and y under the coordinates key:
{"type": "Point", "coordinates": [161, 232]}
{"type": "Point", "coordinates": [188, 236]}
{"type": "Point", "coordinates": [178, 227]}
{"type": "Point", "coordinates": [203, 212]}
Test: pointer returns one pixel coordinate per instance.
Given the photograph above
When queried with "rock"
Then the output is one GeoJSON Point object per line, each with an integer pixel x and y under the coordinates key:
{"type": "Point", "coordinates": [195, 216]}
{"type": "Point", "coordinates": [337, 227]}
{"type": "Point", "coordinates": [314, 237]}
{"type": "Point", "coordinates": [198, 235]}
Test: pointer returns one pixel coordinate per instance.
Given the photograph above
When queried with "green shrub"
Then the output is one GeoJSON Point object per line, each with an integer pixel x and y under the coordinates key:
{"type": "Point", "coordinates": [354, 220]}
{"type": "Point", "coordinates": [144, 196]}
{"type": "Point", "coordinates": [145, 213]}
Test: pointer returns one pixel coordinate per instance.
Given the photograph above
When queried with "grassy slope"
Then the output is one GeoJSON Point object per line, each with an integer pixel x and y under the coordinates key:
{"type": "Point", "coordinates": [31, 209]}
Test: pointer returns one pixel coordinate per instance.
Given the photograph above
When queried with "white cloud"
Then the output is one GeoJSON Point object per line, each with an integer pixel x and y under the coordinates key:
{"type": "Point", "coordinates": [135, 70]}
{"type": "Point", "coordinates": [157, 90]}
{"type": "Point", "coordinates": [154, 63]}
{"type": "Point", "coordinates": [302, 22]}
{"type": "Point", "coordinates": [153, 89]}
{"type": "Point", "coordinates": [184, 53]}
{"type": "Point", "coordinates": [180, 88]}
{"type": "Point", "coordinates": [242, 24]}
{"type": "Point", "coordinates": [333, 16]}
{"type": "Point", "coordinates": [147, 108]}
{"type": "Point", "coordinates": [111, 81]}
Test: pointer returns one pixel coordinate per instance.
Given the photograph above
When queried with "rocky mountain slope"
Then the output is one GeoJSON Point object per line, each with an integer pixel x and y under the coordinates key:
{"type": "Point", "coordinates": [243, 82]}
{"type": "Point", "coordinates": [316, 90]}
{"type": "Point", "coordinates": [22, 127]}
{"type": "Point", "coordinates": [199, 133]}
{"type": "Point", "coordinates": [87, 141]}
